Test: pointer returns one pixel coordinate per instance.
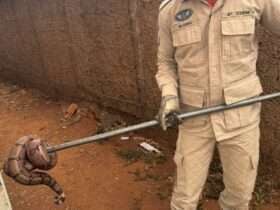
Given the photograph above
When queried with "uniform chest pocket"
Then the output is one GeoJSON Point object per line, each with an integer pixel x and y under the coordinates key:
{"type": "Point", "coordinates": [238, 34]}
{"type": "Point", "coordinates": [186, 35]}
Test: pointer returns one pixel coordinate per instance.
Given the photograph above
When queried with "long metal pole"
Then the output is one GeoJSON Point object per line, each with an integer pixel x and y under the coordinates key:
{"type": "Point", "coordinates": [153, 123]}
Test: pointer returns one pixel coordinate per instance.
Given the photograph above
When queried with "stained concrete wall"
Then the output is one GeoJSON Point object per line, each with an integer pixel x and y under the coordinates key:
{"type": "Point", "coordinates": [105, 50]}
{"type": "Point", "coordinates": [102, 50]}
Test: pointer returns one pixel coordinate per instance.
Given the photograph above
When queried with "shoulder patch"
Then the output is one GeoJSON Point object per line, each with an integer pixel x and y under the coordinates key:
{"type": "Point", "coordinates": [163, 4]}
{"type": "Point", "coordinates": [184, 14]}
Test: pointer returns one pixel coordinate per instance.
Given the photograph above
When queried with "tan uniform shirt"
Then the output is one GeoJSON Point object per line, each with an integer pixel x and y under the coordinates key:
{"type": "Point", "coordinates": [208, 57]}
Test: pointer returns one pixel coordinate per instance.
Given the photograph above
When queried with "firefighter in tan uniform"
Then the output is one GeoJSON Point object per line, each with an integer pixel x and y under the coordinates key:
{"type": "Point", "coordinates": [207, 56]}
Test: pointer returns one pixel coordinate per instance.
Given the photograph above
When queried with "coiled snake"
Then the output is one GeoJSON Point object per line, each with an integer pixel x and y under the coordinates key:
{"type": "Point", "coordinates": [27, 161]}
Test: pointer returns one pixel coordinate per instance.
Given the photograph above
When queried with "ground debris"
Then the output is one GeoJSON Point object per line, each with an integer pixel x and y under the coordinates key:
{"type": "Point", "coordinates": [149, 148]}
{"type": "Point", "coordinates": [135, 154]}
{"type": "Point", "coordinates": [71, 111]}
{"type": "Point", "coordinates": [71, 116]}
{"type": "Point", "coordinates": [125, 138]}
{"type": "Point", "coordinates": [107, 120]}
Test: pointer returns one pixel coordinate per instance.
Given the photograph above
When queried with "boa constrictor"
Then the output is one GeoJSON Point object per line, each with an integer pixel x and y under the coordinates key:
{"type": "Point", "coordinates": [27, 161]}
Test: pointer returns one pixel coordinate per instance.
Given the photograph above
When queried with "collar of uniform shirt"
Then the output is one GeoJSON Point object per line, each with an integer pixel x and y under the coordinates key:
{"type": "Point", "coordinates": [211, 3]}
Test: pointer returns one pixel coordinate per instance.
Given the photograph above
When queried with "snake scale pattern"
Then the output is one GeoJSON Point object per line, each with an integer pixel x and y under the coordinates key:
{"type": "Point", "coordinates": [27, 162]}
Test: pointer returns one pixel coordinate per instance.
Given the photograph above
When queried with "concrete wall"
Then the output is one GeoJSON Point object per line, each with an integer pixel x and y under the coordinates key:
{"type": "Point", "coordinates": [105, 50]}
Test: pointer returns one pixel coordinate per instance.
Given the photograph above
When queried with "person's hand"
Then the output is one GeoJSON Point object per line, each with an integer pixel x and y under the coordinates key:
{"type": "Point", "coordinates": [169, 109]}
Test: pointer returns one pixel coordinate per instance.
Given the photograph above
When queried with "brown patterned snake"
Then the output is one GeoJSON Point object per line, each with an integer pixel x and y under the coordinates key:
{"type": "Point", "coordinates": [27, 161]}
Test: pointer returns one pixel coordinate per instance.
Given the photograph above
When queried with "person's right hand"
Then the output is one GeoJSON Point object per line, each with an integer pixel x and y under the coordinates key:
{"type": "Point", "coordinates": [169, 108]}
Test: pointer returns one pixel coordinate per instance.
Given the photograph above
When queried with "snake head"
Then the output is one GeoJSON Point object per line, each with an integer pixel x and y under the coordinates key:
{"type": "Point", "coordinates": [38, 155]}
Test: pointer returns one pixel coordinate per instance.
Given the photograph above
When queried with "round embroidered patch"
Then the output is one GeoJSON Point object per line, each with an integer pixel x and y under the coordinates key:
{"type": "Point", "coordinates": [184, 14]}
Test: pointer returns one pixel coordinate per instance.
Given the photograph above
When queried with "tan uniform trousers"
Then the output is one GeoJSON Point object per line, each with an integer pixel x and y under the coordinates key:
{"type": "Point", "coordinates": [239, 156]}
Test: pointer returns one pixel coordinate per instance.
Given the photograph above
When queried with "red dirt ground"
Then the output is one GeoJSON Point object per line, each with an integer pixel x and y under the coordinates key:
{"type": "Point", "coordinates": [94, 177]}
